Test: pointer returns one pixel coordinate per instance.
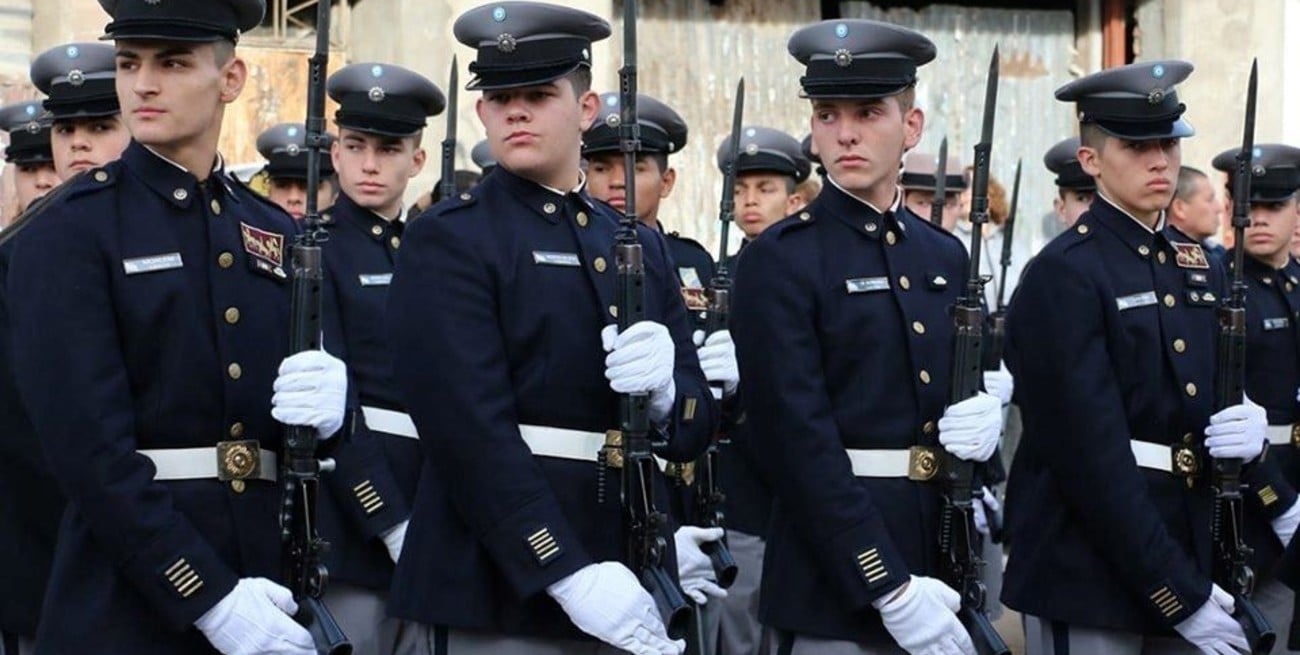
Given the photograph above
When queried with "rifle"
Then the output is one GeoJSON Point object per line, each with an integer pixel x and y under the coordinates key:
{"type": "Point", "coordinates": [300, 469]}
{"type": "Point", "coordinates": [644, 522]}
{"type": "Point", "coordinates": [957, 537]}
{"type": "Point", "coordinates": [998, 318]}
{"type": "Point", "coordinates": [1231, 569]}
{"type": "Point", "coordinates": [447, 183]}
{"type": "Point", "coordinates": [940, 184]}
{"type": "Point", "coordinates": [707, 503]}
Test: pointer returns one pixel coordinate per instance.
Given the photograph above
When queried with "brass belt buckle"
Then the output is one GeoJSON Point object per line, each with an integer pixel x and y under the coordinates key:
{"type": "Point", "coordinates": [684, 472]}
{"type": "Point", "coordinates": [1184, 461]}
{"type": "Point", "coordinates": [612, 453]}
{"type": "Point", "coordinates": [1295, 435]}
{"type": "Point", "coordinates": [238, 460]}
{"type": "Point", "coordinates": [922, 464]}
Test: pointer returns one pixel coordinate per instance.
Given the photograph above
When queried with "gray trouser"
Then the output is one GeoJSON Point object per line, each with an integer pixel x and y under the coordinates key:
{"type": "Point", "coordinates": [1276, 601]}
{"type": "Point", "coordinates": [419, 639]}
{"type": "Point", "coordinates": [361, 614]}
{"type": "Point", "coordinates": [784, 643]}
{"type": "Point", "coordinates": [991, 576]}
{"type": "Point", "coordinates": [740, 631]}
{"type": "Point", "coordinates": [1055, 638]}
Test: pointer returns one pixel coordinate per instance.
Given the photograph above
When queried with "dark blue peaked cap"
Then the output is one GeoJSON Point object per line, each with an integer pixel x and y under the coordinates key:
{"type": "Point", "coordinates": [1136, 102]}
{"type": "Point", "coordinates": [79, 79]}
{"type": "Point", "coordinates": [527, 43]}
{"type": "Point", "coordinates": [182, 20]}
{"type": "Point", "coordinates": [858, 58]}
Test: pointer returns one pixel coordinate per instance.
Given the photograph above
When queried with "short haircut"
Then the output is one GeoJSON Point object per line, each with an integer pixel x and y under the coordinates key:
{"type": "Point", "coordinates": [1091, 136]}
{"type": "Point", "coordinates": [1188, 182]}
{"type": "Point", "coordinates": [580, 80]}
{"type": "Point", "coordinates": [223, 51]}
{"type": "Point", "coordinates": [906, 98]}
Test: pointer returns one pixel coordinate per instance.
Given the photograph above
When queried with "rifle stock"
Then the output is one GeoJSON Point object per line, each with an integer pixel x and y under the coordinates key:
{"type": "Point", "coordinates": [957, 537]}
{"type": "Point", "coordinates": [645, 523]}
{"type": "Point", "coordinates": [1232, 569]}
{"type": "Point", "coordinates": [300, 468]}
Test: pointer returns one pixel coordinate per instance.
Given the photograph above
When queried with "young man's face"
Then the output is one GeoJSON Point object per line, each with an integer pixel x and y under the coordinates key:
{"type": "Point", "coordinates": [1070, 205]}
{"type": "Point", "coordinates": [861, 142]}
{"type": "Point", "coordinates": [921, 203]}
{"type": "Point", "coordinates": [536, 131]}
{"type": "Point", "coordinates": [83, 143]}
{"type": "Point", "coordinates": [762, 199]}
{"type": "Point", "coordinates": [290, 194]}
{"type": "Point", "coordinates": [1272, 226]}
{"type": "Point", "coordinates": [605, 181]}
{"type": "Point", "coordinates": [1200, 210]}
{"type": "Point", "coordinates": [1137, 175]}
{"type": "Point", "coordinates": [31, 181]}
{"type": "Point", "coordinates": [173, 93]}
{"type": "Point", "coordinates": [374, 170]}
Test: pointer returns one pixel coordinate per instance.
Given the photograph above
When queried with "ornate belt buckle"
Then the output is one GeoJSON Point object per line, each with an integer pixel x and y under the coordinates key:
{"type": "Point", "coordinates": [238, 460]}
{"type": "Point", "coordinates": [612, 454]}
{"type": "Point", "coordinates": [922, 464]}
{"type": "Point", "coordinates": [1184, 461]}
{"type": "Point", "coordinates": [678, 471]}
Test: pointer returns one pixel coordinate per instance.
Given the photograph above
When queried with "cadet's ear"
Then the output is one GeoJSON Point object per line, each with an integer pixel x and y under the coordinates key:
{"type": "Point", "coordinates": [669, 181]}
{"type": "Point", "coordinates": [418, 160]}
{"type": "Point", "coordinates": [1089, 159]}
{"type": "Point", "coordinates": [913, 124]}
{"type": "Point", "coordinates": [233, 76]}
{"type": "Point", "coordinates": [589, 105]}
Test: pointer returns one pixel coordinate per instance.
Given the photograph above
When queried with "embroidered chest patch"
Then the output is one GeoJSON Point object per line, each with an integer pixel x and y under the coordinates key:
{"type": "Point", "coordinates": [1190, 255]}
{"type": "Point", "coordinates": [266, 248]}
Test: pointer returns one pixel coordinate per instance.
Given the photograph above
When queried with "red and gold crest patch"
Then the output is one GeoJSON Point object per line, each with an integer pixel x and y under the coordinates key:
{"type": "Point", "coordinates": [1190, 255]}
{"type": "Point", "coordinates": [266, 248]}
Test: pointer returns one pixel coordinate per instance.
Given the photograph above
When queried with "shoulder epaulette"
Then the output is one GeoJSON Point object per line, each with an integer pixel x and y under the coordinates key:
{"type": "Point", "coordinates": [76, 186]}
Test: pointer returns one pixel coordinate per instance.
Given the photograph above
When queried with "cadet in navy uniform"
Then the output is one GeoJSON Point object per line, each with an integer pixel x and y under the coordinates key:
{"type": "Point", "coordinates": [1075, 189]}
{"type": "Point", "coordinates": [1112, 336]}
{"type": "Point", "coordinates": [87, 129]}
{"type": "Point", "coordinates": [502, 312]}
{"type": "Point", "coordinates": [663, 132]}
{"type": "Point", "coordinates": [769, 168]}
{"type": "Point", "coordinates": [29, 151]}
{"type": "Point", "coordinates": [149, 304]}
{"type": "Point", "coordinates": [381, 118]}
{"type": "Point", "coordinates": [1272, 359]}
{"type": "Point", "coordinates": [918, 183]}
{"type": "Point", "coordinates": [845, 343]}
{"type": "Point", "coordinates": [28, 529]}
{"type": "Point", "coordinates": [284, 147]}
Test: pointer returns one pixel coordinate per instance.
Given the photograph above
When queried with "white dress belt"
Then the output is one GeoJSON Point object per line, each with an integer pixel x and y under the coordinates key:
{"type": "Point", "coordinates": [204, 464]}
{"type": "Point", "coordinates": [1281, 435]}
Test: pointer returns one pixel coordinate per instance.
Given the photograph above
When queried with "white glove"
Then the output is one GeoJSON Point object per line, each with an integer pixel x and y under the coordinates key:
{"type": "Point", "coordinates": [641, 359]}
{"type": "Point", "coordinates": [311, 390]}
{"type": "Point", "coordinates": [255, 619]}
{"type": "Point", "coordinates": [1000, 384]}
{"type": "Point", "coordinates": [1285, 525]}
{"type": "Point", "coordinates": [1237, 432]}
{"type": "Point", "coordinates": [393, 538]}
{"type": "Point", "coordinates": [694, 568]}
{"type": "Point", "coordinates": [718, 360]}
{"type": "Point", "coordinates": [971, 428]}
{"type": "Point", "coordinates": [605, 601]}
{"type": "Point", "coordinates": [922, 618]}
{"type": "Point", "coordinates": [1212, 628]}
{"type": "Point", "coordinates": [986, 502]}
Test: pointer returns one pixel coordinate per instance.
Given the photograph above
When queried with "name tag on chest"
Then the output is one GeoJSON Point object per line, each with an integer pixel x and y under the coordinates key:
{"type": "Point", "coordinates": [1280, 323]}
{"type": "Point", "coordinates": [1133, 301]}
{"type": "Point", "coordinates": [375, 279]}
{"type": "Point", "coordinates": [152, 263]}
{"type": "Point", "coordinates": [549, 258]}
{"type": "Point", "coordinates": [866, 284]}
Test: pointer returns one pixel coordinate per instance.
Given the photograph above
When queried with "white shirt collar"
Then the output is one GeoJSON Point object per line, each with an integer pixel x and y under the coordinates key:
{"type": "Point", "coordinates": [582, 182]}
{"type": "Point", "coordinates": [216, 166]}
{"type": "Point", "coordinates": [893, 207]}
{"type": "Point", "coordinates": [1160, 222]}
